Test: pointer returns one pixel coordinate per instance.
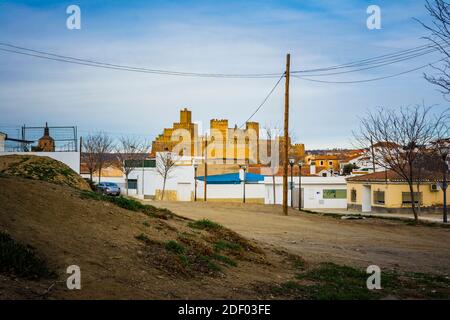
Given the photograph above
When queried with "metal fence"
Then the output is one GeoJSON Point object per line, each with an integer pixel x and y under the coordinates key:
{"type": "Point", "coordinates": [23, 139]}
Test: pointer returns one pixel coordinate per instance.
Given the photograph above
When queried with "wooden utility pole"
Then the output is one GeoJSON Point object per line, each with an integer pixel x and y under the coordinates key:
{"type": "Point", "coordinates": [206, 168]}
{"type": "Point", "coordinates": [286, 136]}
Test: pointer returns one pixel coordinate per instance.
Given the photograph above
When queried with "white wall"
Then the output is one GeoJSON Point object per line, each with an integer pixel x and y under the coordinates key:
{"type": "Point", "coordinates": [71, 159]}
{"type": "Point", "coordinates": [312, 191]}
{"type": "Point", "coordinates": [231, 191]}
{"type": "Point", "coordinates": [153, 181]}
{"type": "Point", "coordinates": [2, 142]}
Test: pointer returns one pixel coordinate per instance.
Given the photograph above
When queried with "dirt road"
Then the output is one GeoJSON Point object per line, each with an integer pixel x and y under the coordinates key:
{"type": "Point", "coordinates": [388, 244]}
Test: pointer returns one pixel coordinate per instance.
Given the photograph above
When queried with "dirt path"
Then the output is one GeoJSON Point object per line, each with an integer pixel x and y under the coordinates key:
{"type": "Point", "coordinates": [388, 244]}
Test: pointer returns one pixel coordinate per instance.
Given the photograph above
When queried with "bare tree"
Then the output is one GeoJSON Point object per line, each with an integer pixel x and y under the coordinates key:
{"type": "Point", "coordinates": [165, 164]}
{"type": "Point", "coordinates": [439, 28]}
{"type": "Point", "coordinates": [401, 138]}
{"type": "Point", "coordinates": [131, 153]}
{"type": "Point", "coordinates": [90, 154]}
{"type": "Point", "coordinates": [103, 146]}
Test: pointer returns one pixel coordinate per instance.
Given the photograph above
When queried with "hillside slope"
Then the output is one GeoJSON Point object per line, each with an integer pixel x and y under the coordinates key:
{"type": "Point", "coordinates": [41, 168]}
{"type": "Point", "coordinates": [118, 250]}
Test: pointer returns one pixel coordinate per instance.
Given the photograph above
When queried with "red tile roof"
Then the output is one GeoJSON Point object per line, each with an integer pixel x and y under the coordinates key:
{"type": "Point", "coordinates": [392, 176]}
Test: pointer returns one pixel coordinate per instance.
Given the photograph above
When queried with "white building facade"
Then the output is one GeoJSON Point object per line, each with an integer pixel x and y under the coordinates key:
{"type": "Point", "coordinates": [317, 192]}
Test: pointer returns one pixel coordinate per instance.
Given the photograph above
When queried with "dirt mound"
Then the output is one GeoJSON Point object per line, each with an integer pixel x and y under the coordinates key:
{"type": "Point", "coordinates": [41, 168]}
{"type": "Point", "coordinates": [140, 252]}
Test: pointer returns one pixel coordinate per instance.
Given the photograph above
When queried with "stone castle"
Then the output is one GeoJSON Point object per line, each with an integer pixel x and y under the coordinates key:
{"type": "Point", "coordinates": [230, 145]}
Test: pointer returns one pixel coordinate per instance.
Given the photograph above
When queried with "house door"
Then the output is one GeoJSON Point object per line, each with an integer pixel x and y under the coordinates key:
{"type": "Point", "coordinates": [184, 191]}
{"type": "Point", "coordinates": [366, 199]}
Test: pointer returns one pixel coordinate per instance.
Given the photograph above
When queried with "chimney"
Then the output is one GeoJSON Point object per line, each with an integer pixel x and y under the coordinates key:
{"type": "Point", "coordinates": [312, 168]}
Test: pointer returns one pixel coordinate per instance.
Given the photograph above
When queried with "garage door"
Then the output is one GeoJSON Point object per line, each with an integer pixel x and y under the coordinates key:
{"type": "Point", "coordinates": [184, 191]}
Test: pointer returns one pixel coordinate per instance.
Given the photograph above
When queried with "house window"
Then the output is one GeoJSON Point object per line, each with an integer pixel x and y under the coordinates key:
{"type": "Point", "coordinates": [139, 163]}
{"type": "Point", "coordinates": [335, 194]}
{"type": "Point", "coordinates": [378, 197]}
{"type": "Point", "coordinates": [132, 184]}
{"type": "Point", "coordinates": [353, 195]}
{"type": "Point", "coordinates": [321, 162]}
{"type": "Point", "coordinates": [330, 163]}
{"type": "Point", "coordinates": [406, 198]}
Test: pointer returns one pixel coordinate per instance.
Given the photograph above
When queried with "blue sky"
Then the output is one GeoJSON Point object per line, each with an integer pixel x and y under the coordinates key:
{"type": "Point", "coordinates": [213, 37]}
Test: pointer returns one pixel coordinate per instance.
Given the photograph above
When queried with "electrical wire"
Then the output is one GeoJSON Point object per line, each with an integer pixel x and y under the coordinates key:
{"type": "Point", "coordinates": [264, 101]}
{"type": "Point", "coordinates": [92, 63]}
{"type": "Point", "coordinates": [378, 65]}
{"type": "Point", "coordinates": [374, 60]}
{"type": "Point", "coordinates": [369, 80]}
{"type": "Point", "coordinates": [370, 63]}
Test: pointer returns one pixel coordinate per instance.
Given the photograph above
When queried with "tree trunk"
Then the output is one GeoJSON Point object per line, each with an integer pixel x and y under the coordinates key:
{"type": "Point", "coordinates": [164, 189]}
{"type": "Point", "coordinates": [413, 203]}
{"type": "Point", "coordinates": [91, 173]}
{"type": "Point", "coordinates": [126, 182]}
{"type": "Point", "coordinates": [274, 190]}
{"type": "Point", "coordinates": [419, 205]}
{"type": "Point", "coordinates": [99, 174]}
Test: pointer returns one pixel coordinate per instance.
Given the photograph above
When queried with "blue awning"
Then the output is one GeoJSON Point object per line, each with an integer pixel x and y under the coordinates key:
{"type": "Point", "coordinates": [232, 178]}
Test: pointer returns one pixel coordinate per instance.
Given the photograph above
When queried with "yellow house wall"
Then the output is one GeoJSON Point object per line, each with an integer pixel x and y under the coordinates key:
{"type": "Point", "coordinates": [393, 194]}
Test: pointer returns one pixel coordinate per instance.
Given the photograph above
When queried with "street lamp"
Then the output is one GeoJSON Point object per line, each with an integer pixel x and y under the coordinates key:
{"type": "Point", "coordinates": [291, 163]}
{"type": "Point", "coordinates": [243, 167]}
{"type": "Point", "coordinates": [195, 181]}
{"type": "Point", "coordinates": [444, 153]}
{"type": "Point", "coordinates": [300, 163]}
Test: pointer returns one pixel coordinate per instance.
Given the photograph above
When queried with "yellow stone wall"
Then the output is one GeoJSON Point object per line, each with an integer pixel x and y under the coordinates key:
{"type": "Point", "coordinates": [169, 195]}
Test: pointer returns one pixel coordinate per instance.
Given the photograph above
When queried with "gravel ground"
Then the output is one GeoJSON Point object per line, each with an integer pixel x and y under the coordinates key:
{"type": "Point", "coordinates": [386, 243]}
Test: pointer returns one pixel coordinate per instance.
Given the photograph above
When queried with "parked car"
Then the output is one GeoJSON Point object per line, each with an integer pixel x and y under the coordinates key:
{"type": "Point", "coordinates": [108, 188]}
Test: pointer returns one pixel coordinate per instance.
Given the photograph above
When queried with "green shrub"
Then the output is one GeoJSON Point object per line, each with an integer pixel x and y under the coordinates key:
{"type": "Point", "coordinates": [21, 260]}
{"type": "Point", "coordinates": [209, 264]}
{"type": "Point", "coordinates": [227, 245]}
{"type": "Point", "coordinates": [204, 224]}
{"type": "Point", "coordinates": [175, 247]}
{"type": "Point", "coordinates": [184, 260]}
{"type": "Point", "coordinates": [142, 237]}
{"type": "Point", "coordinates": [225, 260]}
{"type": "Point", "coordinates": [128, 204]}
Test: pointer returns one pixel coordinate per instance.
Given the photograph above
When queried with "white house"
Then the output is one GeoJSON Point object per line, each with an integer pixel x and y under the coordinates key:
{"type": "Point", "coordinates": [317, 192]}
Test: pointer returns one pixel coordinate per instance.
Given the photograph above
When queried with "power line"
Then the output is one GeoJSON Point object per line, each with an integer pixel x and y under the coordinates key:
{"type": "Point", "coordinates": [374, 66]}
{"type": "Point", "coordinates": [369, 80]}
{"type": "Point", "coordinates": [92, 63]}
{"type": "Point", "coordinates": [264, 101]}
{"type": "Point", "coordinates": [374, 62]}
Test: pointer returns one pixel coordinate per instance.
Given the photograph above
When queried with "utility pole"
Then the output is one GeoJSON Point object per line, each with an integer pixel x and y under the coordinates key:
{"type": "Point", "coordinates": [286, 136]}
{"type": "Point", "coordinates": [206, 167]}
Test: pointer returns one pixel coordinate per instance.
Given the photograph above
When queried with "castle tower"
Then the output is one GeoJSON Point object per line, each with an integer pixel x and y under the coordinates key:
{"type": "Point", "coordinates": [252, 147]}
{"type": "Point", "coordinates": [185, 116]}
{"type": "Point", "coordinates": [219, 134]}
